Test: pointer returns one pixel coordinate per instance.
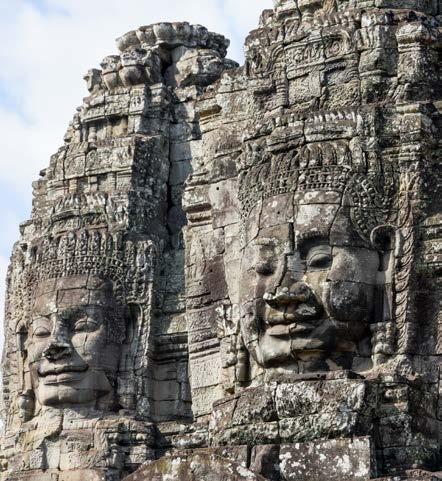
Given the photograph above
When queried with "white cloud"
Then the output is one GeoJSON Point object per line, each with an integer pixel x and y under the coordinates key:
{"type": "Point", "coordinates": [47, 46]}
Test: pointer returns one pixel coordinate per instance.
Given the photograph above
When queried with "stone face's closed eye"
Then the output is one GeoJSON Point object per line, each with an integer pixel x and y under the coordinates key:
{"type": "Point", "coordinates": [319, 261]}
{"type": "Point", "coordinates": [41, 331]}
{"type": "Point", "coordinates": [86, 325]}
{"type": "Point", "coordinates": [319, 257]}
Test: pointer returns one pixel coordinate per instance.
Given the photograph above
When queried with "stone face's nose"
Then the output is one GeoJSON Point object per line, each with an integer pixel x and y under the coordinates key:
{"type": "Point", "coordinates": [57, 350]}
{"type": "Point", "coordinates": [59, 345]}
{"type": "Point", "coordinates": [299, 293]}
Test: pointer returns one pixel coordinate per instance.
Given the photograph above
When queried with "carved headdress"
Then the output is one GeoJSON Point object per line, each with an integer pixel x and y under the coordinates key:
{"type": "Point", "coordinates": [128, 264]}
{"type": "Point", "coordinates": [366, 184]}
{"type": "Point", "coordinates": [330, 166]}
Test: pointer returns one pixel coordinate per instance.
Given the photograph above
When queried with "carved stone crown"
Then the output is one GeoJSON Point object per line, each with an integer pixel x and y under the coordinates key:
{"type": "Point", "coordinates": [129, 264]}
{"type": "Point", "coordinates": [172, 35]}
{"type": "Point", "coordinates": [328, 166]}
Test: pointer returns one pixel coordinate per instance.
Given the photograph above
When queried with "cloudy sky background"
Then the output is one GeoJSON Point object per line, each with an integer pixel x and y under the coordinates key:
{"type": "Point", "coordinates": [46, 47]}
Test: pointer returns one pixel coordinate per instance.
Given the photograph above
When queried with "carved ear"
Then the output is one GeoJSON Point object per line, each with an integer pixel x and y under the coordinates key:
{"type": "Point", "coordinates": [26, 397]}
{"type": "Point", "coordinates": [131, 314]}
{"type": "Point", "coordinates": [383, 239]}
{"type": "Point", "coordinates": [26, 405]}
{"type": "Point", "coordinates": [126, 390]}
{"type": "Point", "coordinates": [242, 369]}
{"type": "Point", "coordinates": [22, 354]}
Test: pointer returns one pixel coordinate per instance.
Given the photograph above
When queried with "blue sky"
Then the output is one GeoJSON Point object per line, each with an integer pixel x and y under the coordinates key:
{"type": "Point", "coordinates": [47, 46]}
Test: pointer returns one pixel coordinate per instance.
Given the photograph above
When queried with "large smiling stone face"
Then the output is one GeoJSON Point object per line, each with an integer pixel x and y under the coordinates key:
{"type": "Point", "coordinates": [308, 284]}
{"type": "Point", "coordinates": [74, 340]}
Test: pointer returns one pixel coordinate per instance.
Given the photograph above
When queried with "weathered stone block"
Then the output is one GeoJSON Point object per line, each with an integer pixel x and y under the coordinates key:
{"type": "Point", "coordinates": [205, 371]}
{"type": "Point", "coordinates": [224, 202]}
{"type": "Point", "coordinates": [339, 459]}
{"type": "Point", "coordinates": [204, 397]}
{"type": "Point", "coordinates": [250, 434]}
{"type": "Point", "coordinates": [265, 460]}
{"type": "Point", "coordinates": [303, 398]}
{"type": "Point", "coordinates": [318, 426]}
{"type": "Point", "coordinates": [255, 405]}
{"type": "Point", "coordinates": [206, 466]}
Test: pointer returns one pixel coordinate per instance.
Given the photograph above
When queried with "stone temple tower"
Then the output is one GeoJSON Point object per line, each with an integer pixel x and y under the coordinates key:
{"type": "Point", "coordinates": [234, 273]}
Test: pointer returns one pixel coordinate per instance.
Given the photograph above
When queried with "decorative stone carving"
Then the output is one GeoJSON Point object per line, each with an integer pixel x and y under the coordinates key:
{"type": "Point", "coordinates": [318, 154]}
{"type": "Point", "coordinates": [309, 269]}
{"type": "Point", "coordinates": [234, 272]}
{"type": "Point", "coordinates": [110, 66]}
{"type": "Point", "coordinates": [96, 349]}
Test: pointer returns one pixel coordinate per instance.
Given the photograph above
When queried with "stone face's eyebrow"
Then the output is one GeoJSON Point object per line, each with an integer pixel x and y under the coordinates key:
{"type": "Point", "coordinates": [42, 311]}
{"type": "Point", "coordinates": [38, 319]}
{"type": "Point", "coordinates": [71, 314]}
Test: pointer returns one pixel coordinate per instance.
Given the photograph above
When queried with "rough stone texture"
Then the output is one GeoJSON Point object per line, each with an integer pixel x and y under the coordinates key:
{"type": "Point", "coordinates": [199, 465]}
{"type": "Point", "coordinates": [338, 459]}
{"type": "Point", "coordinates": [235, 272]}
{"type": "Point", "coordinates": [96, 340]}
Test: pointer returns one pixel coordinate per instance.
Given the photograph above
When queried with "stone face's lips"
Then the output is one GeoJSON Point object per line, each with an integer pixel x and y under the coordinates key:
{"type": "Point", "coordinates": [63, 378]}
{"type": "Point", "coordinates": [282, 330]}
{"type": "Point", "coordinates": [303, 313]}
{"type": "Point", "coordinates": [55, 370]}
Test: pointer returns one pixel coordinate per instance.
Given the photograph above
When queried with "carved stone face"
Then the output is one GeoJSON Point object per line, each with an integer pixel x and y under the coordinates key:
{"type": "Point", "coordinates": [111, 63]}
{"type": "Point", "coordinates": [132, 71]}
{"type": "Point", "coordinates": [132, 57]}
{"type": "Point", "coordinates": [307, 283]}
{"type": "Point", "coordinates": [93, 80]}
{"type": "Point", "coordinates": [73, 345]}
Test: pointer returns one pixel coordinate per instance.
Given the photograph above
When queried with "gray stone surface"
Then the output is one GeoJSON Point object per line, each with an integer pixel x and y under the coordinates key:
{"type": "Point", "coordinates": [338, 459]}
{"type": "Point", "coordinates": [234, 272]}
{"type": "Point", "coordinates": [198, 465]}
{"type": "Point", "coordinates": [97, 345]}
